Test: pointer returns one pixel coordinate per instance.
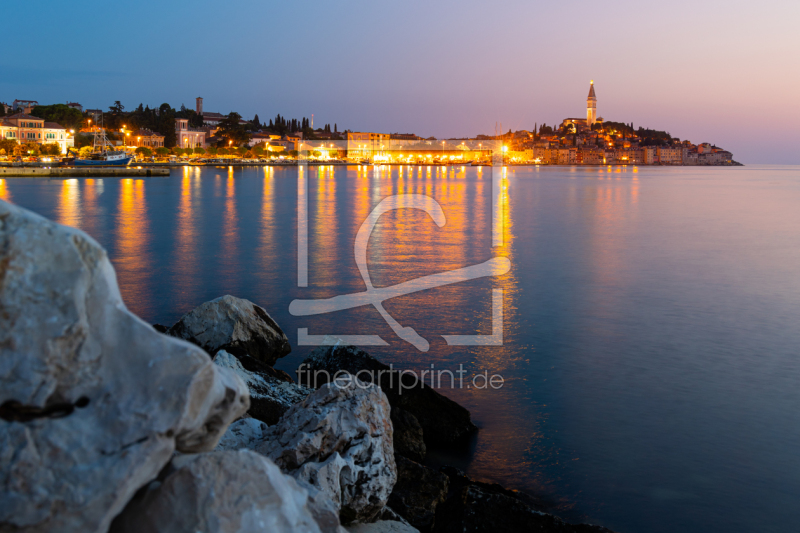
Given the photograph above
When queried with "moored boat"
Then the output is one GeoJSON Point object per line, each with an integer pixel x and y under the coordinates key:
{"type": "Point", "coordinates": [116, 158]}
{"type": "Point", "coordinates": [101, 156]}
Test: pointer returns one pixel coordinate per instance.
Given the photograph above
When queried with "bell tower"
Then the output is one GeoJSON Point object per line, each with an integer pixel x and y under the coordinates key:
{"type": "Point", "coordinates": [591, 106]}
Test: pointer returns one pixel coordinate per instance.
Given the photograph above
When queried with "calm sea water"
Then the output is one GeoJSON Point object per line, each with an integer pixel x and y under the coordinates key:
{"type": "Point", "coordinates": [650, 327]}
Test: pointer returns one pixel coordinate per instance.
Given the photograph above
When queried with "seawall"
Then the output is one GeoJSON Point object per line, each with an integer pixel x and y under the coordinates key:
{"type": "Point", "coordinates": [103, 172]}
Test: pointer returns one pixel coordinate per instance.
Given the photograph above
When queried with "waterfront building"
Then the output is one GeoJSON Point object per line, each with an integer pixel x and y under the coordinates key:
{"type": "Point", "coordinates": [704, 148]}
{"type": "Point", "coordinates": [58, 134]}
{"type": "Point", "coordinates": [671, 155]}
{"type": "Point", "coordinates": [25, 128]}
{"type": "Point", "coordinates": [273, 142]}
{"type": "Point", "coordinates": [566, 156]}
{"type": "Point", "coordinates": [146, 138]}
{"type": "Point", "coordinates": [650, 155]}
{"type": "Point", "coordinates": [288, 143]}
{"type": "Point", "coordinates": [716, 157]}
{"type": "Point", "coordinates": [189, 137]}
{"type": "Point", "coordinates": [591, 155]}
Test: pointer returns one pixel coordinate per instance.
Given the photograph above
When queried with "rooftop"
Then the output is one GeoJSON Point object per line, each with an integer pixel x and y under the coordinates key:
{"type": "Point", "coordinates": [22, 116]}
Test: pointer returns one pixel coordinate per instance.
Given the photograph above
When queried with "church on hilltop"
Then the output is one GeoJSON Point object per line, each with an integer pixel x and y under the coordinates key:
{"type": "Point", "coordinates": [583, 124]}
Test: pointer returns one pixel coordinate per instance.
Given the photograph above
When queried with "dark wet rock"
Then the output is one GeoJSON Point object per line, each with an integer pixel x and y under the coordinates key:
{"type": "Point", "coordinates": [443, 421]}
{"type": "Point", "coordinates": [270, 396]}
{"type": "Point", "coordinates": [417, 493]}
{"type": "Point", "coordinates": [473, 507]}
{"type": "Point", "coordinates": [160, 328]}
{"type": "Point", "coordinates": [251, 364]}
{"type": "Point", "coordinates": [408, 436]}
{"type": "Point", "coordinates": [236, 326]}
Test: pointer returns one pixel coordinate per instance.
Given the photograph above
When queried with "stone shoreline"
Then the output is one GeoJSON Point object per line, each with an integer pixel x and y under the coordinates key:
{"type": "Point", "coordinates": [110, 424]}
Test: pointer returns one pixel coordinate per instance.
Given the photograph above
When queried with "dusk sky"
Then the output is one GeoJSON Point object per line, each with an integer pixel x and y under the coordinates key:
{"type": "Point", "coordinates": [725, 72]}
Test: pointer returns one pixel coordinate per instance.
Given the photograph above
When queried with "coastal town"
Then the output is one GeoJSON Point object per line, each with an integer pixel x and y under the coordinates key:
{"type": "Point", "coordinates": [33, 133]}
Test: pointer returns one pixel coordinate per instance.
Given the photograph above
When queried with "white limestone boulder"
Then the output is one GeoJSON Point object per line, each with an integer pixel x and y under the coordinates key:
{"type": "Point", "coordinates": [223, 492]}
{"type": "Point", "coordinates": [270, 397]}
{"type": "Point", "coordinates": [93, 401]}
{"type": "Point", "coordinates": [339, 440]}
{"type": "Point", "coordinates": [236, 325]}
{"type": "Point", "coordinates": [244, 434]}
{"type": "Point", "coordinates": [382, 526]}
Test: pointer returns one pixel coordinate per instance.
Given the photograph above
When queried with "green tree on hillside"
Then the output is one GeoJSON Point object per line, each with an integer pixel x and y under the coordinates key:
{"type": "Point", "coordinates": [64, 115]}
{"type": "Point", "coordinates": [230, 129]}
{"type": "Point", "coordinates": [165, 125]}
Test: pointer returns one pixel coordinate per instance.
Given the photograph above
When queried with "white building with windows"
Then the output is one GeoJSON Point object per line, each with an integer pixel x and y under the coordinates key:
{"type": "Point", "coordinates": [189, 137]}
{"type": "Point", "coordinates": [56, 133]}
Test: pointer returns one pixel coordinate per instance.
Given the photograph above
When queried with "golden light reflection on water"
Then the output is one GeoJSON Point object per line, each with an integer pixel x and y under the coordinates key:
{"type": "Point", "coordinates": [69, 203]}
{"type": "Point", "coordinates": [230, 230]}
{"type": "Point", "coordinates": [5, 194]}
{"type": "Point", "coordinates": [407, 245]}
{"type": "Point", "coordinates": [186, 261]}
{"type": "Point", "coordinates": [324, 249]}
{"type": "Point", "coordinates": [132, 258]}
{"type": "Point", "coordinates": [266, 248]}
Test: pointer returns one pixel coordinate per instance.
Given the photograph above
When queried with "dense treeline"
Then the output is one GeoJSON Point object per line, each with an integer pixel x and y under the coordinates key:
{"type": "Point", "coordinates": [232, 130]}
{"type": "Point", "coordinates": [64, 115]}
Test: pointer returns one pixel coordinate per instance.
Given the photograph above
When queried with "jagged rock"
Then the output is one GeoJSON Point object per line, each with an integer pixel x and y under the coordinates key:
{"type": "Point", "coordinates": [222, 492]}
{"type": "Point", "coordinates": [160, 328]}
{"type": "Point", "coordinates": [382, 526]}
{"type": "Point", "coordinates": [418, 491]}
{"type": "Point", "coordinates": [94, 400]}
{"type": "Point", "coordinates": [252, 364]}
{"type": "Point", "coordinates": [270, 397]}
{"type": "Point", "coordinates": [473, 507]}
{"type": "Point", "coordinates": [339, 440]}
{"type": "Point", "coordinates": [244, 434]}
{"type": "Point", "coordinates": [408, 436]}
{"type": "Point", "coordinates": [443, 421]}
{"type": "Point", "coordinates": [235, 325]}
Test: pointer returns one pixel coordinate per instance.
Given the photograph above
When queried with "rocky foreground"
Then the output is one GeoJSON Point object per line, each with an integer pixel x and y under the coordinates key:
{"type": "Point", "coordinates": [110, 424]}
